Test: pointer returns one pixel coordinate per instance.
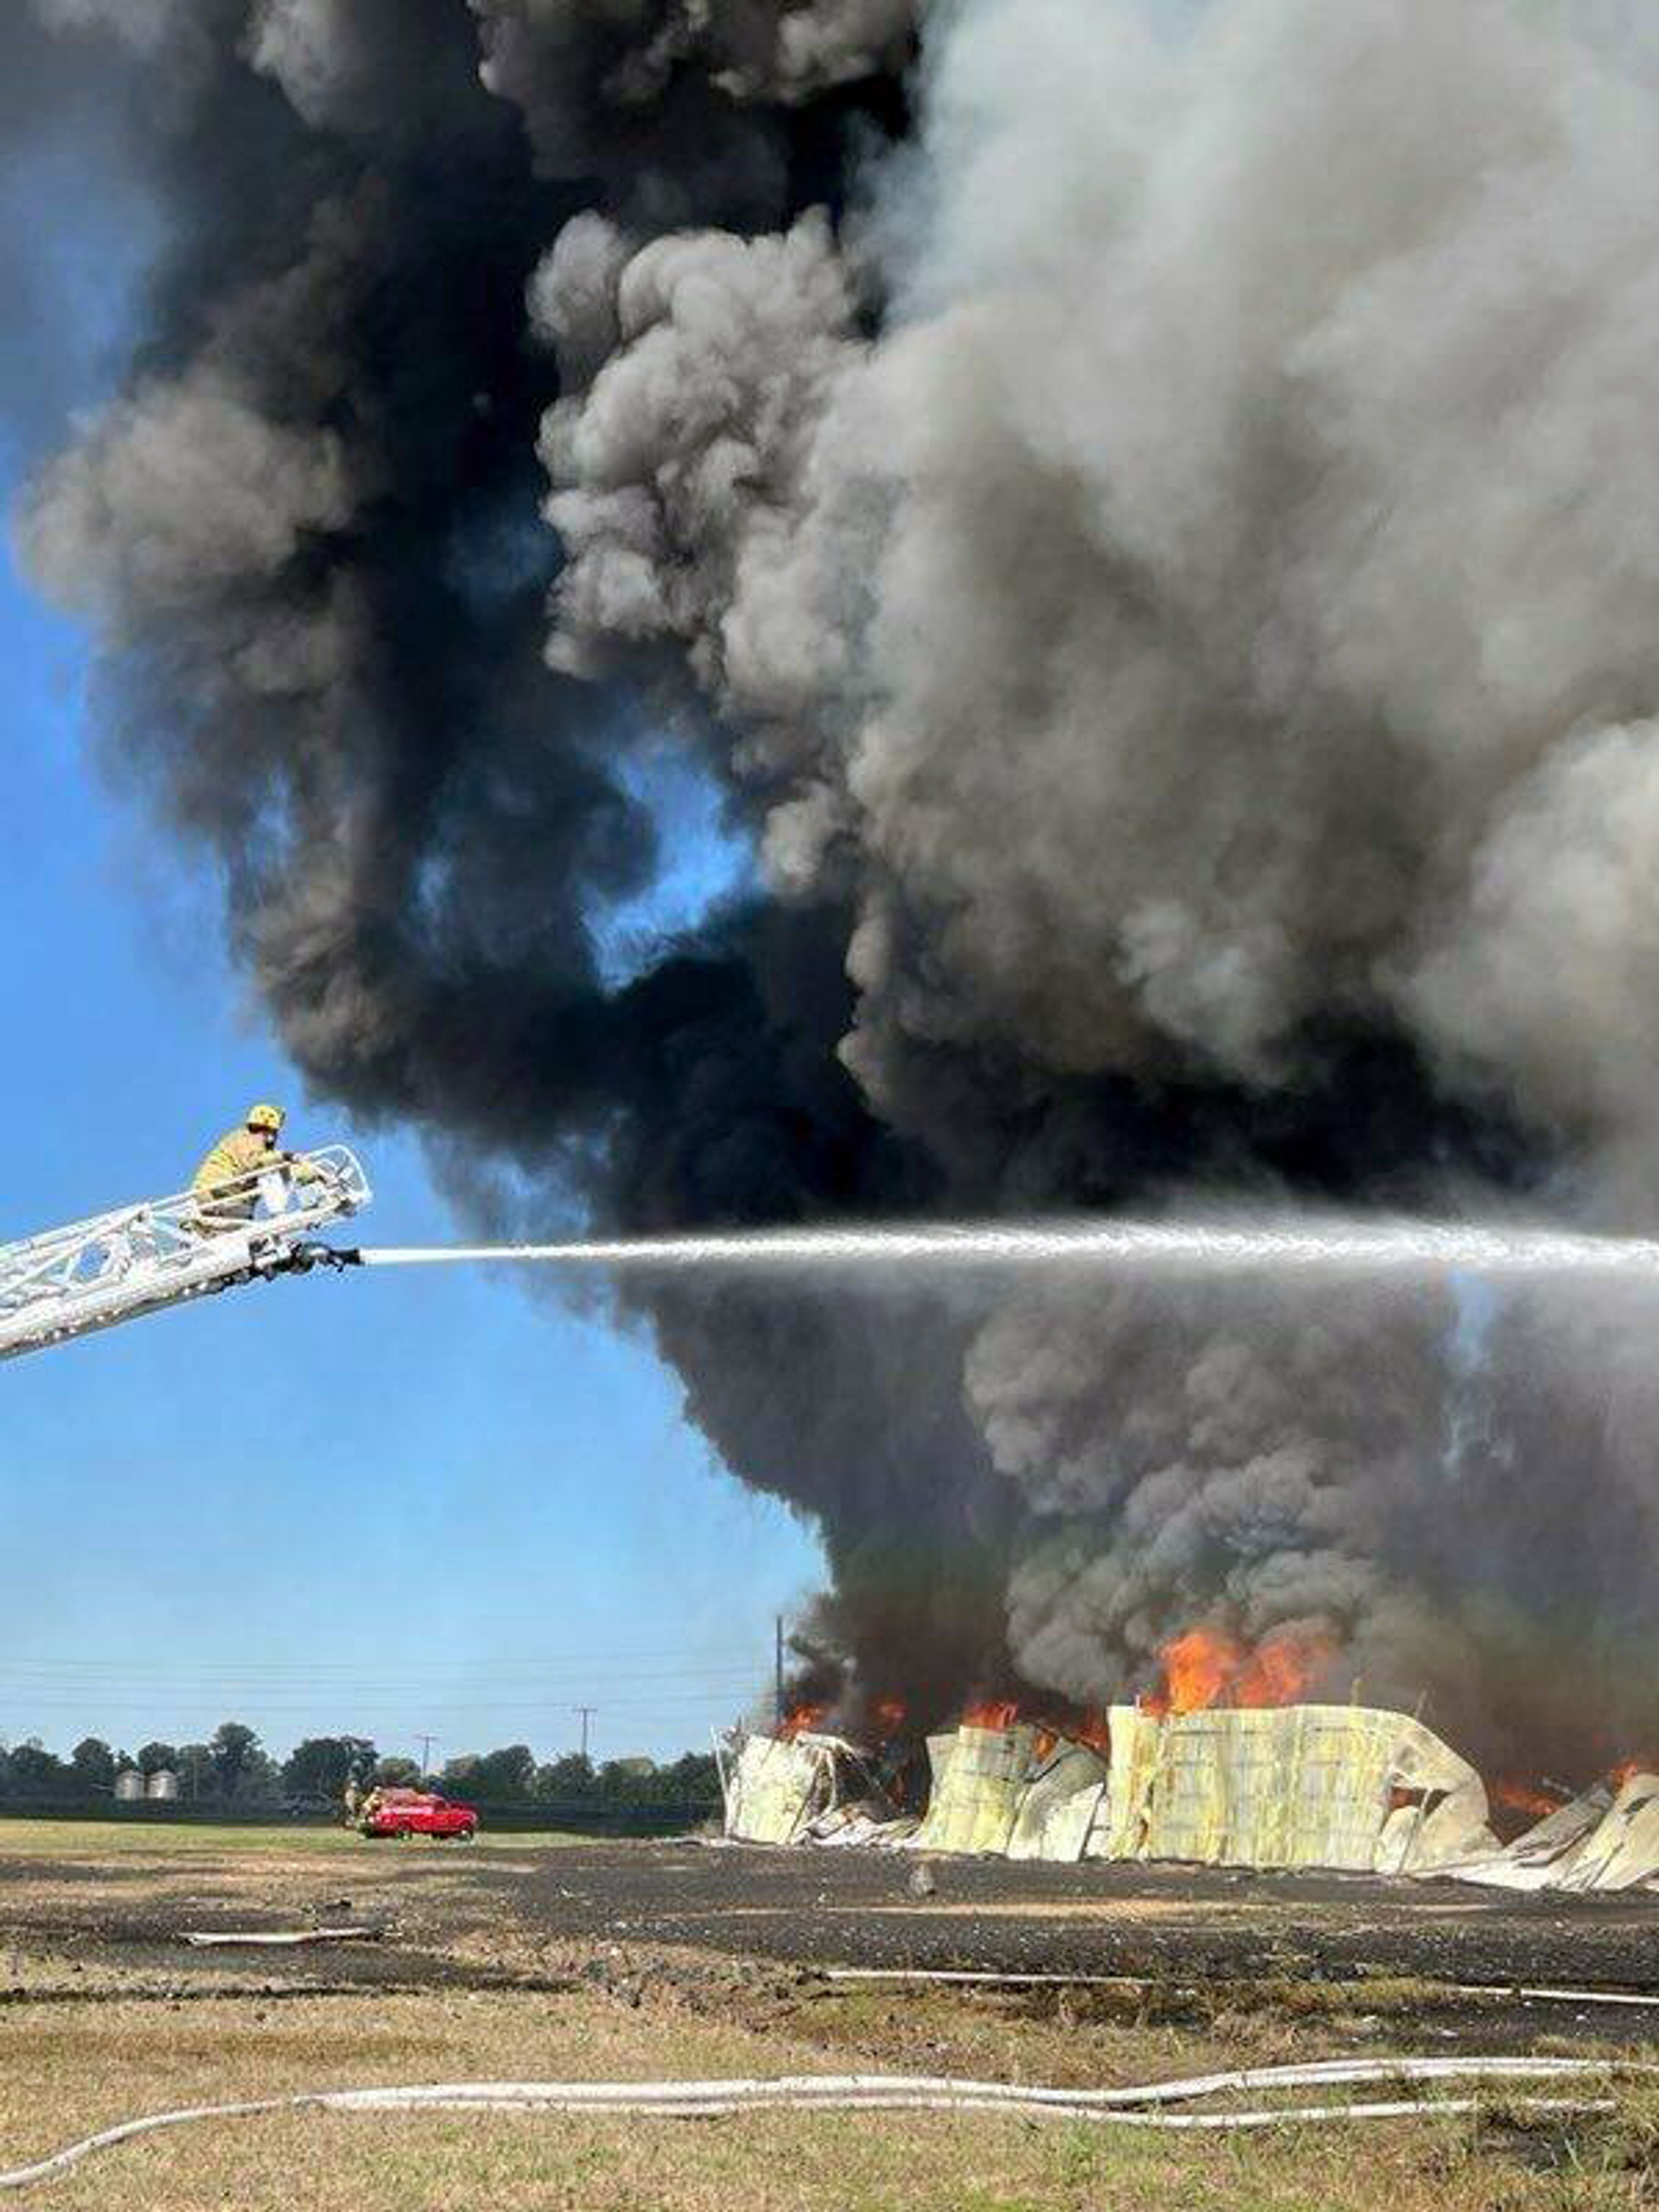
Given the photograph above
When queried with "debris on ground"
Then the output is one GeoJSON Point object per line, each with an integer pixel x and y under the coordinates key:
{"type": "Point", "coordinates": [278, 1939]}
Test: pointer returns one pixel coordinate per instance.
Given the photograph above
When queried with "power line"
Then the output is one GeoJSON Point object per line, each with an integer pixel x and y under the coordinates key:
{"type": "Point", "coordinates": [668, 1656]}
{"type": "Point", "coordinates": [480, 1685]}
{"type": "Point", "coordinates": [665, 1680]}
{"type": "Point", "coordinates": [302, 1697]}
{"type": "Point", "coordinates": [347, 1702]}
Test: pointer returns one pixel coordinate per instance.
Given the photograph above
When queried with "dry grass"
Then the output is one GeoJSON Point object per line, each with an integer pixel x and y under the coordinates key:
{"type": "Point", "coordinates": [68, 2067]}
{"type": "Point", "coordinates": [64, 2070]}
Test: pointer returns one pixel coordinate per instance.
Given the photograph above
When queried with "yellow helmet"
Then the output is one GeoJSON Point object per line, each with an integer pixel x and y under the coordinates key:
{"type": "Point", "coordinates": [266, 1117]}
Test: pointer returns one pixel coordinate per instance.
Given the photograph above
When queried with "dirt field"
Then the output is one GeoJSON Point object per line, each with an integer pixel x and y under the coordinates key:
{"type": "Point", "coordinates": [636, 1961]}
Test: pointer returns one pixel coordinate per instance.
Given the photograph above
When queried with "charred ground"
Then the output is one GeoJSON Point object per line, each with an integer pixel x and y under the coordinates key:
{"type": "Point", "coordinates": [639, 1961]}
{"type": "Point", "coordinates": [619, 1913]}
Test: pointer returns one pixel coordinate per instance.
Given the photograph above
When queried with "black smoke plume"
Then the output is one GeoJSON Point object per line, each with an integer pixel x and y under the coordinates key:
{"type": "Point", "coordinates": [1148, 518]}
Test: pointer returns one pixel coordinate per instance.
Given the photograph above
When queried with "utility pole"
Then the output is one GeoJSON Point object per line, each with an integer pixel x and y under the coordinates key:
{"type": "Point", "coordinates": [427, 1742]}
{"type": "Point", "coordinates": [587, 1713]}
{"type": "Point", "coordinates": [777, 1670]}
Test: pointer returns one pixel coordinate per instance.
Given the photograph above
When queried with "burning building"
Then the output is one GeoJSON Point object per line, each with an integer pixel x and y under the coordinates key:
{"type": "Point", "coordinates": [1179, 680]}
{"type": "Point", "coordinates": [1296, 1786]}
{"type": "Point", "coordinates": [1270, 1782]}
{"type": "Point", "coordinates": [1349, 1788]}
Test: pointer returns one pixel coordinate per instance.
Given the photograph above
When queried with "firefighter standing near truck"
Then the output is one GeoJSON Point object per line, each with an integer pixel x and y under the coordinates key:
{"type": "Point", "coordinates": [226, 1184]}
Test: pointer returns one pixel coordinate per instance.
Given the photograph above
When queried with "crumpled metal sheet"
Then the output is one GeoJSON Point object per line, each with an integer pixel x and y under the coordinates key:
{"type": "Point", "coordinates": [1533, 1860]}
{"type": "Point", "coordinates": [1340, 1786]}
{"type": "Point", "coordinates": [1301, 1786]}
{"type": "Point", "coordinates": [1602, 1840]}
{"type": "Point", "coordinates": [1058, 1804]}
{"type": "Point", "coordinates": [771, 1787]}
{"type": "Point", "coordinates": [1119, 1825]}
{"type": "Point", "coordinates": [860, 1827]}
{"type": "Point", "coordinates": [1622, 1852]}
{"type": "Point", "coordinates": [977, 1788]}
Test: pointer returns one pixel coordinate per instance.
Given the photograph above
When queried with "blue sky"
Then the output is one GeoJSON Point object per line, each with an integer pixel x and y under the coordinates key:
{"type": "Point", "coordinates": [396, 1504]}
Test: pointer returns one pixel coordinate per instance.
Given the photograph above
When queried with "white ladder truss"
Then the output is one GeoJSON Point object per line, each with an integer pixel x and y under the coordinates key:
{"type": "Point", "coordinates": [70, 1282]}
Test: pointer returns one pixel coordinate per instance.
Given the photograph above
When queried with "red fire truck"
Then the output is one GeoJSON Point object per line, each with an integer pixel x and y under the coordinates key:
{"type": "Point", "coordinates": [416, 1813]}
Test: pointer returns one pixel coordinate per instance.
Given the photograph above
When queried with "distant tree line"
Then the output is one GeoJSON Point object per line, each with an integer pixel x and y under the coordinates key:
{"type": "Point", "coordinates": [234, 1769]}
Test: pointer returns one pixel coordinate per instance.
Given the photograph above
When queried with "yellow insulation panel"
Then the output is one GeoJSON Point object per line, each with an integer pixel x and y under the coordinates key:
{"type": "Point", "coordinates": [770, 1790]}
{"type": "Point", "coordinates": [977, 1790]}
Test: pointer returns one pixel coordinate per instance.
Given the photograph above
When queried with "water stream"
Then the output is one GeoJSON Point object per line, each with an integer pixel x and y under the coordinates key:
{"type": "Point", "coordinates": [1350, 1245]}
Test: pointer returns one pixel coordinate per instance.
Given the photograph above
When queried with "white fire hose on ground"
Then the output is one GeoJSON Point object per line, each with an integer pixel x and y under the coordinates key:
{"type": "Point", "coordinates": [1133, 2107]}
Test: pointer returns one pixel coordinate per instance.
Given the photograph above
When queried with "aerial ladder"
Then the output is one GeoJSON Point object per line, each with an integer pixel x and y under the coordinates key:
{"type": "Point", "coordinates": [166, 1251]}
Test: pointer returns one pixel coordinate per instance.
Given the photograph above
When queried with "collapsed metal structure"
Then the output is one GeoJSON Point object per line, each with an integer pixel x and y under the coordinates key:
{"type": "Point", "coordinates": [164, 1252]}
{"type": "Point", "coordinates": [1349, 1788]}
{"type": "Point", "coordinates": [1305, 1785]}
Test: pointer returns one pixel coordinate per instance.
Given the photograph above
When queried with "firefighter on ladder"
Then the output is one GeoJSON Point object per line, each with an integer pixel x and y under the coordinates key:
{"type": "Point", "coordinates": [226, 1184]}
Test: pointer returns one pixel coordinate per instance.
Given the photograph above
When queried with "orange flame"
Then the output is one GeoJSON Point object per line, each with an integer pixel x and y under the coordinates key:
{"type": "Point", "coordinates": [1094, 1729]}
{"type": "Point", "coordinates": [1208, 1667]}
{"type": "Point", "coordinates": [1629, 1768]}
{"type": "Point", "coordinates": [997, 1716]}
{"type": "Point", "coordinates": [1282, 1666]}
{"type": "Point", "coordinates": [804, 1717]}
{"type": "Point", "coordinates": [1515, 1796]}
{"type": "Point", "coordinates": [887, 1718]}
{"type": "Point", "coordinates": [1197, 1669]}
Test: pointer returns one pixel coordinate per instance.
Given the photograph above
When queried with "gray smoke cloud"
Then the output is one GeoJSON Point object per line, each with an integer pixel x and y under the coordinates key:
{"type": "Point", "coordinates": [179, 491]}
{"type": "Point", "coordinates": [680, 467]}
{"type": "Point", "coordinates": [1318, 601]}
{"type": "Point", "coordinates": [781, 51]}
{"type": "Point", "coordinates": [178, 41]}
{"type": "Point", "coordinates": [1211, 613]}
{"type": "Point", "coordinates": [1183, 1456]}
{"type": "Point", "coordinates": [1149, 522]}
{"type": "Point", "coordinates": [145, 24]}
{"type": "Point", "coordinates": [327, 54]}
{"type": "Point", "coordinates": [681, 111]}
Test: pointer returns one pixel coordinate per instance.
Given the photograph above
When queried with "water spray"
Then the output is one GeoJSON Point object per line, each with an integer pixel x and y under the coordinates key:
{"type": "Point", "coordinates": [166, 1252]}
{"type": "Point", "coordinates": [1343, 1246]}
